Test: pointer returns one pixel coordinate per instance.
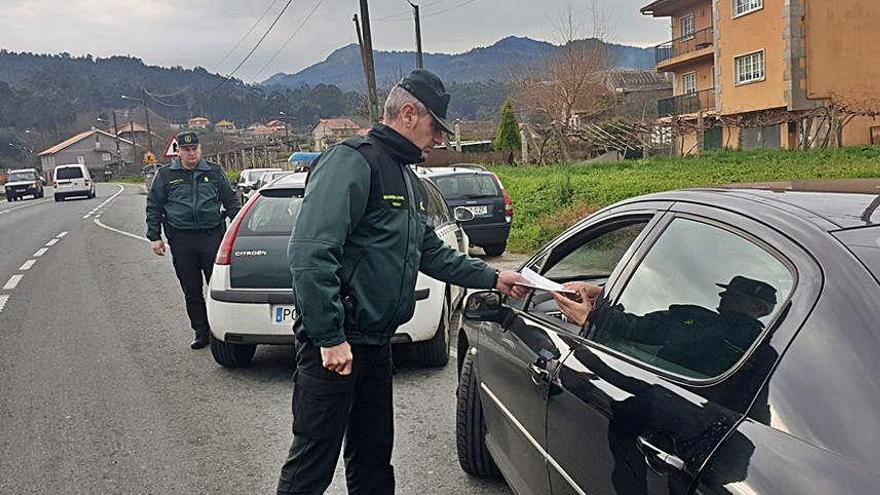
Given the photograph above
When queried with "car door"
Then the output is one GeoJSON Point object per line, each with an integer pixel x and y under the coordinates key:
{"type": "Point", "coordinates": [444, 225]}
{"type": "Point", "coordinates": [518, 357]}
{"type": "Point", "coordinates": [673, 355]}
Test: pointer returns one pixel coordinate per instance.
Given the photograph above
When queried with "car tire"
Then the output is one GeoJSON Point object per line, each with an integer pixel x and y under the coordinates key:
{"type": "Point", "coordinates": [496, 249]}
{"type": "Point", "coordinates": [470, 426]}
{"type": "Point", "coordinates": [434, 353]}
{"type": "Point", "coordinates": [232, 355]}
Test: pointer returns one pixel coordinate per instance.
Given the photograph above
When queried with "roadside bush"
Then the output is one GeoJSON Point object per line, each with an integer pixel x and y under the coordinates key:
{"type": "Point", "coordinates": [233, 175]}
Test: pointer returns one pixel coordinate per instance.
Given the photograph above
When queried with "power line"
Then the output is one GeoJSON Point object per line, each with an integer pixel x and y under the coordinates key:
{"type": "Point", "coordinates": [404, 14]}
{"type": "Point", "coordinates": [468, 2]}
{"type": "Point", "coordinates": [248, 56]}
{"type": "Point", "coordinates": [283, 46]}
{"type": "Point", "coordinates": [248, 33]}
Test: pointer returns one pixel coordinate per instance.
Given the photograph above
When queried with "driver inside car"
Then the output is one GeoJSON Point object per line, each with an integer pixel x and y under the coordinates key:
{"type": "Point", "coordinates": [702, 340]}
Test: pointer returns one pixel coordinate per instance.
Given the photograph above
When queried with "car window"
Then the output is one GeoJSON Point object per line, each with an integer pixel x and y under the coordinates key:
{"type": "Point", "coordinates": [21, 176]}
{"type": "Point", "coordinates": [67, 173]}
{"type": "Point", "coordinates": [438, 212]}
{"type": "Point", "coordinates": [467, 186]}
{"type": "Point", "coordinates": [272, 215]}
{"type": "Point", "coordinates": [588, 257]}
{"type": "Point", "coordinates": [699, 300]}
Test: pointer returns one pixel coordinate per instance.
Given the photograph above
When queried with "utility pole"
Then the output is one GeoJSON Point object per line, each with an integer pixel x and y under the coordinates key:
{"type": "Point", "coordinates": [357, 26]}
{"type": "Point", "coordinates": [149, 132]}
{"type": "Point", "coordinates": [371, 69]}
{"type": "Point", "coordinates": [116, 137]}
{"type": "Point", "coordinates": [419, 62]}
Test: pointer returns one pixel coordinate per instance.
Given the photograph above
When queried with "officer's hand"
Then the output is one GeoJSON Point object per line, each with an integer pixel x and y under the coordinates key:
{"type": "Point", "coordinates": [507, 284]}
{"type": "Point", "coordinates": [158, 247]}
{"type": "Point", "coordinates": [337, 358]}
{"type": "Point", "coordinates": [577, 308]}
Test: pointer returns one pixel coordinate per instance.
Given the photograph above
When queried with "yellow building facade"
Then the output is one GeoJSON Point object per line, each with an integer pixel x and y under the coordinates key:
{"type": "Point", "coordinates": [770, 63]}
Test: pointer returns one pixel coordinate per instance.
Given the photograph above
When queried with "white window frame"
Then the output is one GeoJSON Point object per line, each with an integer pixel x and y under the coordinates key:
{"type": "Point", "coordinates": [693, 25]}
{"type": "Point", "coordinates": [746, 6]}
{"type": "Point", "coordinates": [684, 86]}
{"type": "Point", "coordinates": [739, 81]}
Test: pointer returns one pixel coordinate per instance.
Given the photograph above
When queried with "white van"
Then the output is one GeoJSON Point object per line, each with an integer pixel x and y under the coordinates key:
{"type": "Point", "coordinates": [72, 180]}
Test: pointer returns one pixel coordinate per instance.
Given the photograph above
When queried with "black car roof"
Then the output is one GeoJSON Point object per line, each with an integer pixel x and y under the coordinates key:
{"type": "Point", "coordinates": [829, 204]}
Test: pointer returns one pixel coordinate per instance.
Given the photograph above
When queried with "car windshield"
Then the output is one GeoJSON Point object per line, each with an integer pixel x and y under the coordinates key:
{"type": "Point", "coordinates": [21, 176]}
{"type": "Point", "coordinates": [272, 215]}
{"type": "Point", "coordinates": [68, 173]}
{"type": "Point", "coordinates": [467, 186]}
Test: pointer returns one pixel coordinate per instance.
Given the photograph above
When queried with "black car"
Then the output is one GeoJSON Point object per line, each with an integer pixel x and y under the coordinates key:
{"type": "Point", "coordinates": [24, 182]}
{"type": "Point", "coordinates": [735, 348]}
{"type": "Point", "coordinates": [481, 192]}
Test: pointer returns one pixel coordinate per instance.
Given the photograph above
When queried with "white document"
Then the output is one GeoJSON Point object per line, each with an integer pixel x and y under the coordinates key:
{"type": "Point", "coordinates": [536, 281]}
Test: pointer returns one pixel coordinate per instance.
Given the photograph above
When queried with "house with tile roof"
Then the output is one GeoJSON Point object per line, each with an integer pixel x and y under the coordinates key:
{"type": "Point", "coordinates": [96, 149]}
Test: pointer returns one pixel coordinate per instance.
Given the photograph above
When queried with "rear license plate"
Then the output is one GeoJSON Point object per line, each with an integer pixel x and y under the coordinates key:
{"type": "Point", "coordinates": [64, 184]}
{"type": "Point", "coordinates": [482, 210]}
{"type": "Point", "coordinates": [284, 315]}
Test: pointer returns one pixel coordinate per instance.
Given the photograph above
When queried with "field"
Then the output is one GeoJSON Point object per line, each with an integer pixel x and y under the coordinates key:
{"type": "Point", "coordinates": [547, 199]}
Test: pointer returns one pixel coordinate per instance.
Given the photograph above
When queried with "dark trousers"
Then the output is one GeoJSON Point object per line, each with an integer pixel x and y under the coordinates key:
{"type": "Point", "coordinates": [193, 253]}
{"type": "Point", "coordinates": [327, 408]}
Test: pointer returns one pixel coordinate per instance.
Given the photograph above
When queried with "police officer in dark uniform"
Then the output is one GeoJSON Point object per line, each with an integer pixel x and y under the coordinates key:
{"type": "Point", "coordinates": [185, 200]}
{"type": "Point", "coordinates": [361, 238]}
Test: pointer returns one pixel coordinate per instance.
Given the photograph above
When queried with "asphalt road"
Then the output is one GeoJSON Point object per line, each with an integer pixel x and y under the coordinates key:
{"type": "Point", "coordinates": [100, 393]}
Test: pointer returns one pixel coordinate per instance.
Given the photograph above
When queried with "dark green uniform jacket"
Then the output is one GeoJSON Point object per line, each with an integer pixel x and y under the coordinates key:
{"type": "Point", "coordinates": [365, 245]}
{"type": "Point", "coordinates": [188, 199]}
{"type": "Point", "coordinates": [691, 336]}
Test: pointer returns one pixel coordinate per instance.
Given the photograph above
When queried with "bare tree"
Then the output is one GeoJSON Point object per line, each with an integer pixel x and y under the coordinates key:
{"type": "Point", "coordinates": [572, 81]}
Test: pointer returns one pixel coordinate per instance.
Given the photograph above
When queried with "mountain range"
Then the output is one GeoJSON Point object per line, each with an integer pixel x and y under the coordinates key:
{"type": "Point", "coordinates": [497, 62]}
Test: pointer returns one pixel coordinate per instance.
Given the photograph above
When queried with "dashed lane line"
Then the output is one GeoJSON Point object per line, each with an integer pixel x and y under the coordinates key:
{"type": "Point", "coordinates": [106, 201]}
{"type": "Point", "coordinates": [13, 281]}
{"type": "Point", "coordinates": [3, 300]}
{"type": "Point", "coordinates": [52, 242]}
{"type": "Point", "coordinates": [61, 235]}
{"type": "Point", "coordinates": [27, 265]}
{"type": "Point", "coordinates": [129, 234]}
{"type": "Point", "coordinates": [40, 252]}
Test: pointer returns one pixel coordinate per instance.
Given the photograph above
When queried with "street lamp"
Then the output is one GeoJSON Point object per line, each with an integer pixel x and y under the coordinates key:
{"type": "Point", "coordinates": [286, 133]}
{"type": "Point", "coordinates": [146, 117]}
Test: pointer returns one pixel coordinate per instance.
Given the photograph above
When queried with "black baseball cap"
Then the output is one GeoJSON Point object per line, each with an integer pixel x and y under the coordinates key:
{"type": "Point", "coordinates": [428, 89]}
{"type": "Point", "coordinates": [188, 138]}
{"type": "Point", "coordinates": [750, 287]}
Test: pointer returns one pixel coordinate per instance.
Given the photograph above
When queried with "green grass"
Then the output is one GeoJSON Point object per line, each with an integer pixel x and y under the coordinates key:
{"type": "Point", "coordinates": [547, 199]}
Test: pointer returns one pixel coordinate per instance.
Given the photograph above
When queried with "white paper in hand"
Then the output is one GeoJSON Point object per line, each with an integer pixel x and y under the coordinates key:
{"type": "Point", "coordinates": [536, 281]}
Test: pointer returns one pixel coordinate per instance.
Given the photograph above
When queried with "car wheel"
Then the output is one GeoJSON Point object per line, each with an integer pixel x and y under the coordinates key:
{"type": "Point", "coordinates": [470, 426]}
{"type": "Point", "coordinates": [57, 198]}
{"type": "Point", "coordinates": [435, 352]}
{"type": "Point", "coordinates": [232, 355]}
{"type": "Point", "coordinates": [495, 249]}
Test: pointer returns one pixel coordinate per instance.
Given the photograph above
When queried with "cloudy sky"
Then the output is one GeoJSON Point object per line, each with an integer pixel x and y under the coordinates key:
{"type": "Point", "coordinates": [192, 33]}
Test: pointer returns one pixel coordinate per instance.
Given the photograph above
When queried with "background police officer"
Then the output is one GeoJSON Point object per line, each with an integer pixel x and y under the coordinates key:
{"type": "Point", "coordinates": [360, 240]}
{"type": "Point", "coordinates": [185, 199]}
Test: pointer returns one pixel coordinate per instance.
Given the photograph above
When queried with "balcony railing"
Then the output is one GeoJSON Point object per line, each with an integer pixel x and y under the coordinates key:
{"type": "Point", "coordinates": [687, 103]}
{"type": "Point", "coordinates": [686, 44]}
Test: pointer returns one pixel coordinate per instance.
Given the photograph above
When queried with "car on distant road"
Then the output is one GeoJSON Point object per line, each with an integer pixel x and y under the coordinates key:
{"type": "Point", "coordinates": [72, 180]}
{"type": "Point", "coordinates": [733, 349]}
{"type": "Point", "coordinates": [24, 182]}
{"type": "Point", "coordinates": [248, 178]}
{"type": "Point", "coordinates": [480, 191]}
{"type": "Point", "coordinates": [250, 299]}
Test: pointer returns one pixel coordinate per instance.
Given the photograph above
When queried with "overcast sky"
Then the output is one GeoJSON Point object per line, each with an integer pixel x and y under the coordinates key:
{"type": "Point", "coordinates": [193, 33]}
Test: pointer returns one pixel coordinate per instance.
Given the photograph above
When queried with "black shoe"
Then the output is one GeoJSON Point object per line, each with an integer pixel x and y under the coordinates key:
{"type": "Point", "coordinates": [200, 342]}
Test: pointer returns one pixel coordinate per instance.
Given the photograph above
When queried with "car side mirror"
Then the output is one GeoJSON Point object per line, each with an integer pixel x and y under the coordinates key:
{"type": "Point", "coordinates": [43, 181]}
{"type": "Point", "coordinates": [463, 214]}
{"type": "Point", "coordinates": [483, 306]}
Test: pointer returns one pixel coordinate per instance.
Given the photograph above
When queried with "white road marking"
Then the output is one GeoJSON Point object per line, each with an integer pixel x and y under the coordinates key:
{"type": "Point", "coordinates": [453, 353]}
{"type": "Point", "coordinates": [61, 235]}
{"type": "Point", "coordinates": [13, 282]}
{"type": "Point", "coordinates": [37, 202]}
{"type": "Point", "coordinates": [3, 300]}
{"type": "Point", "coordinates": [52, 242]}
{"type": "Point", "coordinates": [106, 201]}
{"type": "Point", "coordinates": [129, 234]}
{"type": "Point", "coordinates": [40, 252]}
{"type": "Point", "coordinates": [27, 265]}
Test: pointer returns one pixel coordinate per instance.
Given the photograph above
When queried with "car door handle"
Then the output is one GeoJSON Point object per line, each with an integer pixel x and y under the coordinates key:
{"type": "Point", "coordinates": [539, 375]}
{"type": "Point", "coordinates": [651, 451]}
